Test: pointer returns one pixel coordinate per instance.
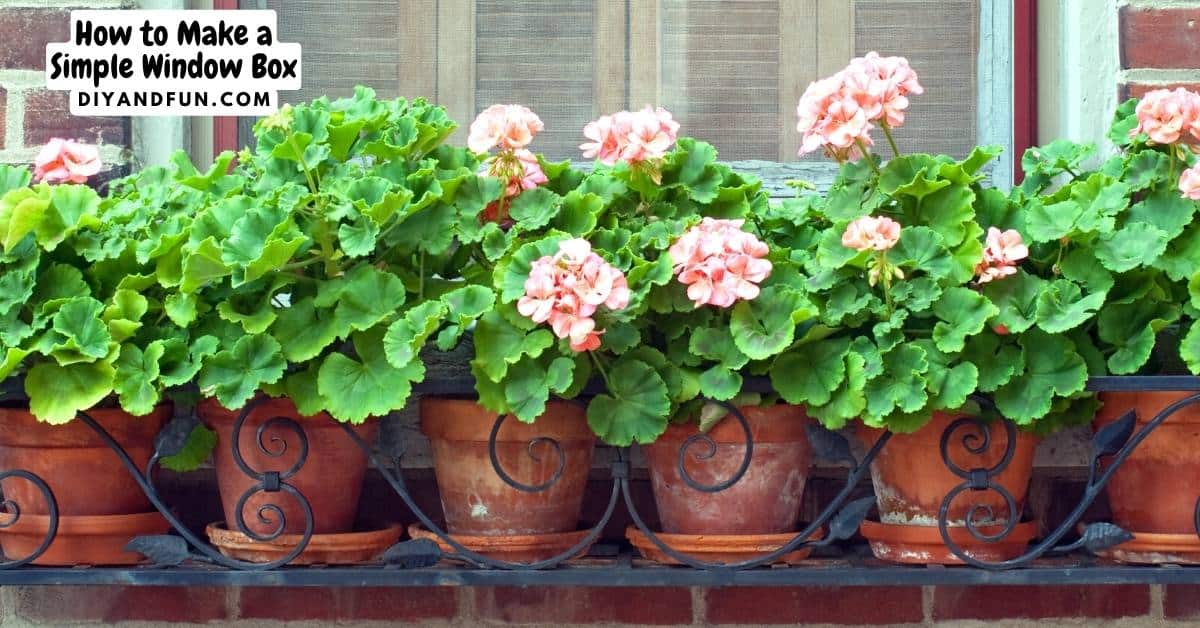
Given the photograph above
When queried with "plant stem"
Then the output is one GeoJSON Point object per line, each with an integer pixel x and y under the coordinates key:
{"type": "Point", "coordinates": [887, 131]}
{"type": "Point", "coordinates": [308, 175]}
{"type": "Point", "coordinates": [867, 156]}
{"type": "Point", "coordinates": [600, 368]}
{"type": "Point", "coordinates": [299, 265]}
{"type": "Point", "coordinates": [421, 276]}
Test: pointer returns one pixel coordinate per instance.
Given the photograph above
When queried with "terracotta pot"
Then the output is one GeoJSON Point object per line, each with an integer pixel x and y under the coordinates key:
{"type": "Point", "coordinates": [1154, 490]}
{"type": "Point", "coordinates": [766, 500]}
{"type": "Point", "coordinates": [474, 498]}
{"type": "Point", "coordinates": [517, 548]}
{"type": "Point", "coordinates": [331, 477]}
{"type": "Point", "coordinates": [348, 548]}
{"type": "Point", "coordinates": [911, 480]}
{"type": "Point", "coordinates": [81, 540]}
{"type": "Point", "coordinates": [923, 545]}
{"type": "Point", "coordinates": [85, 475]}
{"type": "Point", "coordinates": [718, 548]}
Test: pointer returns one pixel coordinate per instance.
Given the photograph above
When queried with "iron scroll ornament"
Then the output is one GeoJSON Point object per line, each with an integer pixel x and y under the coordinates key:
{"type": "Point", "coordinates": [1117, 441]}
{"type": "Point", "coordinates": [843, 518]}
{"type": "Point", "coordinates": [166, 550]}
{"type": "Point", "coordinates": [10, 511]}
{"type": "Point", "coordinates": [424, 553]}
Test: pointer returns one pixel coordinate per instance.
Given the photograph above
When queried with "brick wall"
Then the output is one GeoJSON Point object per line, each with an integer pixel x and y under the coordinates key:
{"type": "Point", "coordinates": [1160, 46]}
{"type": "Point", "coordinates": [29, 114]}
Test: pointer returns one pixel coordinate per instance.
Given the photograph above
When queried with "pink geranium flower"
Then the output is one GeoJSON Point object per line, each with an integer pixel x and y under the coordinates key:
{"type": "Point", "coordinates": [1001, 254]}
{"type": "Point", "coordinates": [633, 137]}
{"type": "Point", "coordinates": [508, 126]}
{"type": "Point", "coordinates": [566, 288]}
{"type": "Point", "coordinates": [871, 233]}
{"type": "Point", "coordinates": [719, 263]}
{"type": "Point", "coordinates": [66, 161]}
{"type": "Point", "coordinates": [1189, 183]}
{"type": "Point", "coordinates": [837, 113]}
{"type": "Point", "coordinates": [1169, 116]}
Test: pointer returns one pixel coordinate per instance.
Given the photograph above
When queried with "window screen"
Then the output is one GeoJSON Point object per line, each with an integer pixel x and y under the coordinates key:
{"type": "Point", "coordinates": [730, 70]}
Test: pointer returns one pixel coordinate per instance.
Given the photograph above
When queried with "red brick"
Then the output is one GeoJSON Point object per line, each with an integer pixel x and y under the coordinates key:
{"type": "Point", "coordinates": [1181, 601]}
{"type": "Point", "coordinates": [1040, 602]}
{"type": "Point", "coordinates": [26, 33]}
{"type": "Point", "coordinates": [1160, 38]}
{"type": "Point", "coordinates": [48, 114]}
{"type": "Point", "coordinates": [59, 604]}
{"type": "Point", "coordinates": [350, 603]}
{"type": "Point", "coordinates": [585, 605]}
{"type": "Point", "coordinates": [1137, 90]}
{"type": "Point", "coordinates": [816, 605]}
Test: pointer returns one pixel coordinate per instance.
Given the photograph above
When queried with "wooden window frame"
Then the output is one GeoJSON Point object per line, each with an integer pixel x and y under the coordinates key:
{"type": "Point", "coordinates": [645, 84]}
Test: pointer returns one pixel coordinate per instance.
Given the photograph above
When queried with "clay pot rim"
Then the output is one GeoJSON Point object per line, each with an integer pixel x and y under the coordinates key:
{"type": "Point", "coordinates": [116, 421]}
{"type": "Point", "coordinates": [564, 421]}
{"type": "Point", "coordinates": [1021, 534]}
{"type": "Point", "coordinates": [766, 426]}
{"type": "Point", "coordinates": [725, 542]}
{"type": "Point", "coordinates": [209, 409]}
{"type": "Point", "coordinates": [223, 537]}
{"type": "Point", "coordinates": [87, 525]}
{"type": "Point", "coordinates": [510, 543]}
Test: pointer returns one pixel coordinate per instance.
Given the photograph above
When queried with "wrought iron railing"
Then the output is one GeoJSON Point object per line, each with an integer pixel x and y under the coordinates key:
{"type": "Point", "coordinates": [184, 557]}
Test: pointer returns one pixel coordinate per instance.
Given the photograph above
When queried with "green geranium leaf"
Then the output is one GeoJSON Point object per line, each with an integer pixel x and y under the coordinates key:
{"type": "Point", "coordinates": [179, 362]}
{"type": "Point", "coordinates": [949, 383]}
{"type": "Point", "coordinates": [526, 390]}
{"type": "Point", "coordinates": [720, 383]}
{"type": "Point", "coordinates": [13, 177]}
{"type": "Point", "coordinates": [962, 313]}
{"type": "Point", "coordinates": [716, 343]}
{"type": "Point", "coordinates": [534, 209]}
{"type": "Point", "coordinates": [255, 322]}
{"type": "Point", "coordinates": [1061, 306]}
{"type": "Point", "coordinates": [57, 393]}
{"type": "Point", "coordinates": [358, 238]}
{"type": "Point", "coordinates": [848, 401]}
{"type": "Point", "coordinates": [579, 212]}
{"type": "Point", "coordinates": [364, 297]}
{"type": "Point", "coordinates": [181, 308]}
{"type": "Point", "coordinates": [21, 212]}
{"type": "Point", "coordinates": [137, 377]}
{"type": "Point", "coordinates": [196, 449]}
{"type": "Point", "coordinates": [233, 375]}
{"type": "Point", "coordinates": [1182, 257]}
{"type": "Point", "coordinates": [406, 336]}
{"type": "Point", "coordinates": [499, 344]}
{"type": "Point", "coordinates": [767, 325]}
{"type": "Point", "coordinates": [512, 272]}
{"type": "Point", "coordinates": [810, 373]}
{"type": "Point", "coordinates": [1137, 244]}
{"type": "Point", "coordinates": [1046, 223]}
{"type": "Point", "coordinates": [921, 248]}
{"type": "Point", "coordinates": [1016, 297]}
{"type": "Point", "coordinates": [1082, 267]}
{"type": "Point", "coordinates": [1165, 209]}
{"type": "Point", "coordinates": [84, 335]}
{"type": "Point", "coordinates": [1052, 369]}
{"type": "Point", "coordinates": [357, 389]}
{"type": "Point", "coordinates": [635, 407]}
{"type": "Point", "coordinates": [1189, 349]}
{"type": "Point", "coordinates": [901, 386]}
{"type": "Point", "coordinates": [202, 265]}
{"type": "Point", "coordinates": [303, 330]}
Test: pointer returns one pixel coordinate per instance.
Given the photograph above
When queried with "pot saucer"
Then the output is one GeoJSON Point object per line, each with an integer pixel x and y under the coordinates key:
{"type": "Point", "coordinates": [347, 548]}
{"type": "Point", "coordinates": [81, 539]}
{"type": "Point", "coordinates": [521, 548]}
{"type": "Point", "coordinates": [922, 545]}
{"type": "Point", "coordinates": [1149, 548]}
{"type": "Point", "coordinates": [717, 548]}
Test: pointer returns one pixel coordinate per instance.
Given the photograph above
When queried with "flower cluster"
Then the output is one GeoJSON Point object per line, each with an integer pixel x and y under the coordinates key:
{"type": "Point", "coordinates": [630, 136]}
{"type": "Point", "coordinates": [510, 127]}
{"type": "Point", "coordinates": [1004, 250]}
{"type": "Point", "coordinates": [720, 263]}
{"type": "Point", "coordinates": [838, 113]}
{"type": "Point", "coordinates": [1189, 183]}
{"type": "Point", "coordinates": [1169, 116]}
{"type": "Point", "coordinates": [871, 233]}
{"type": "Point", "coordinates": [566, 288]}
{"type": "Point", "coordinates": [879, 234]}
{"type": "Point", "coordinates": [66, 161]}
